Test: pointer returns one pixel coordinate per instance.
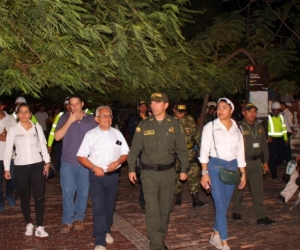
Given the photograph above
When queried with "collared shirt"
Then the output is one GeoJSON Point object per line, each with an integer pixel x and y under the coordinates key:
{"type": "Point", "coordinates": [288, 120]}
{"type": "Point", "coordinates": [103, 147]}
{"type": "Point", "coordinates": [29, 146]}
{"type": "Point", "coordinates": [229, 143]}
{"type": "Point", "coordinates": [5, 123]}
{"type": "Point", "coordinates": [74, 136]}
{"type": "Point", "coordinates": [158, 142]}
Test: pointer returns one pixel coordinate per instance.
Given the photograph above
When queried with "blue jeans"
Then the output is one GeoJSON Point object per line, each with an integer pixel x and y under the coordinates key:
{"type": "Point", "coordinates": [74, 179]}
{"type": "Point", "coordinates": [10, 184]}
{"type": "Point", "coordinates": [104, 192]}
{"type": "Point", "coordinates": [221, 193]}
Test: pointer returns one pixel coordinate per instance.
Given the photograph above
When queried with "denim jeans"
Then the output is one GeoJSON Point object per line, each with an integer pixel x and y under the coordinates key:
{"type": "Point", "coordinates": [104, 192]}
{"type": "Point", "coordinates": [221, 193]}
{"type": "Point", "coordinates": [10, 184]}
{"type": "Point", "coordinates": [74, 179]}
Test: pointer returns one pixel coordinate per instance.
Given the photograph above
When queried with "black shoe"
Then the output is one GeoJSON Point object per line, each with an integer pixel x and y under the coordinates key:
{"type": "Point", "coordinates": [178, 199]}
{"type": "Point", "coordinates": [236, 216]}
{"type": "Point", "coordinates": [265, 221]}
{"type": "Point", "coordinates": [281, 199]}
{"type": "Point", "coordinates": [196, 201]}
{"type": "Point", "coordinates": [165, 247]}
{"type": "Point", "coordinates": [142, 205]}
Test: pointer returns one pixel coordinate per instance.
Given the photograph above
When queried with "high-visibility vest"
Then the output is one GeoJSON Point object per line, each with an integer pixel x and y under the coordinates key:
{"type": "Point", "coordinates": [277, 127]}
{"type": "Point", "coordinates": [54, 124]}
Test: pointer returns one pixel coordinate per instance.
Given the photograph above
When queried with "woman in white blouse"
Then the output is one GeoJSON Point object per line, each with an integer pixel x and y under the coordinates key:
{"type": "Point", "coordinates": [229, 153]}
{"type": "Point", "coordinates": [30, 169]}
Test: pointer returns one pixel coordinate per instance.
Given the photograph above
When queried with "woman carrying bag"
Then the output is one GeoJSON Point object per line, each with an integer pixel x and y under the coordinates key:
{"type": "Point", "coordinates": [32, 163]}
{"type": "Point", "coordinates": [221, 155]}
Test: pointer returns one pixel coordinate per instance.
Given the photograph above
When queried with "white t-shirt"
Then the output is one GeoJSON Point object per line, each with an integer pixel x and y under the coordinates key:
{"type": "Point", "coordinates": [7, 122]}
{"type": "Point", "coordinates": [41, 118]}
{"type": "Point", "coordinates": [103, 148]}
{"type": "Point", "coordinates": [229, 143]}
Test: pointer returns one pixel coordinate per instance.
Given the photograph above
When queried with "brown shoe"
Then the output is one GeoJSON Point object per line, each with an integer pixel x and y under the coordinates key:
{"type": "Point", "coordinates": [66, 228]}
{"type": "Point", "coordinates": [78, 225]}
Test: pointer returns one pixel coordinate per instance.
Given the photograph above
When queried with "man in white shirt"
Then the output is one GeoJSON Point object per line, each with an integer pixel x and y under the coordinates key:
{"type": "Point", "coordinates": [42, 118]}
{"type": "Point", "coordinates": [288, 119]}
{"type": "Point", "coordinates": [103, 150]}
{"type": "Point", "coordinates": [6, 121]}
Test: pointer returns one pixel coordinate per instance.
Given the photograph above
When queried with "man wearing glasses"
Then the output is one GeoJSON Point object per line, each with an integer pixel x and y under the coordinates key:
{"type": "Point", "coordinates": [158, 138]}
{"type": "Point", "coordinates": [102, 151]}
{"type": "Point", "coordinates": [192, 138]}
{"type": "Point", "coordinates": [74, 178]}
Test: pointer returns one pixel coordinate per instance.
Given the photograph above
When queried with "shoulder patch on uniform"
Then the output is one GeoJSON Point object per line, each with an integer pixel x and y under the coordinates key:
{"type": "Point", "coordinates": [149, 132]}
{"type": "Point", "coordinates": [137, 129]}
{"type": "Point", "coordinates": [171, 130]}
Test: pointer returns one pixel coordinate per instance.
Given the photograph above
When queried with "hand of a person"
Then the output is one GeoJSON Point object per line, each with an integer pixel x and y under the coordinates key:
{"type": "Point", "coordinates": [76, 116]}
{"type": "Point", "coordinates": [132, 177]}
{"type": "Point", "coordinates": [49, 148]}
{"type": "Point", "coordinates": [243, 182]}
{"type": "Point", "coordinates": [270, 140]}
{"type": "Point", "coordinates": [46, 169]}
{"type": "Point", "coordinates": [287, 143]}
{"type": "Point", "coordinates": [7, 175]}
{"type": "Point", "coordinates": [99, 171]}
{"type": "Point", "coordinates": [183, 176]}
{"type": "Point", "coordinates": [205, 181]}
{"type": "Point", "coordinates": [112, 166]}
{"type": "Point", "coordinates": [266, 167]}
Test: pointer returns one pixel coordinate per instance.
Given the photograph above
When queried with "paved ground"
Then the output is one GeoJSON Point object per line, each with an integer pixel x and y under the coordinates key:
{"type": "Point", "coordinates": [189, 228]}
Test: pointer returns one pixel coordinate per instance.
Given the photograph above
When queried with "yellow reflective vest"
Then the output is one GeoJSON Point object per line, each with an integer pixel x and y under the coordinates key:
{"type": "Point", "coordinates": [277, 127]}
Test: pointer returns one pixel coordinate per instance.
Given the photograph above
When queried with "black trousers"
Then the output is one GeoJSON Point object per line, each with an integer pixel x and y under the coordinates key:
{"type": "Point", "coordinates": [276, 154]}
{"type": "Point", "coordinates": [27, 177]}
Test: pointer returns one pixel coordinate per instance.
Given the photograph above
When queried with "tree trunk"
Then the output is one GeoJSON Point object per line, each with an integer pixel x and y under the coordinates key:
{"type": "Point", "coordinates": [202, 113]}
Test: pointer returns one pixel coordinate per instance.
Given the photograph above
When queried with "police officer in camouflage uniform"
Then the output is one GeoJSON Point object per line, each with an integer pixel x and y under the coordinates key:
{"type": "Point", "coordinates": [256, 152]}
{"type": "Point", "coordinates": [158, 139]}
{"type": "Point", "coordinates": [192, 137]}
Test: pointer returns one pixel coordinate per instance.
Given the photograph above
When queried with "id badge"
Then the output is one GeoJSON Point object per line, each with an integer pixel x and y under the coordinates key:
{"type": "Point", "coordinates": [256, 145]}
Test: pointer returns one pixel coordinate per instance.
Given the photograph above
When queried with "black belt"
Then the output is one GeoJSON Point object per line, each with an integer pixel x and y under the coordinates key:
{"type": "Point", "coordinates": [158, 167]}
{"type": "Point", "coordinates": [253, 158]}
{"type": "Point", "coordinates": [110, 173]}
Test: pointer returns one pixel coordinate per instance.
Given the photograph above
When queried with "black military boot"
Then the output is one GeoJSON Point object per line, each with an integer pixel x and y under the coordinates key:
{"type": "Point", "coordinates": [178, 199]}
{"type": "Point", "coordinates": [196, 201]}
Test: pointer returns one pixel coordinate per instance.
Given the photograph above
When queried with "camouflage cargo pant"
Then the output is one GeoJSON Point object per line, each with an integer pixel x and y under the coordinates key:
{"type": "Point", "coordinates": [193, 178]}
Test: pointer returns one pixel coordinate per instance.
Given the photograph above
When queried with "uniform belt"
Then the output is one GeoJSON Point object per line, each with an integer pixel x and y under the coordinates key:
{"type": "Point", "coordinates": [253, 157]}
{"type": "Point", "coordinates": [158, 167]}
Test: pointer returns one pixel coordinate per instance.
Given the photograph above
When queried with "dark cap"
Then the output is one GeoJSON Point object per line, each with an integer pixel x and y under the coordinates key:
{"type": "Point", "coordinates": [159, 97]}
{"type": "Point", "coordinates": [242, 101]}
{"type": "Point", "coordinates": [250, 106]}
{"type": "Point", "coordinates": [181, 107]}
{"type": "Point", "coordinates": [142, 102]}
{"type": "Point", "coordinates": [212, 107]}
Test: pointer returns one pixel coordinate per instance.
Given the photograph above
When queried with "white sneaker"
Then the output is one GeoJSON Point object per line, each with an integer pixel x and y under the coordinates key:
{"type": "Point", "coordinates": [109, 239]}
{"type": "Point", "coordinates": [40, 232]}
{"type": "Point", "coordinates": [216, 241]}
{"type": "Point", "coordinates": [100, 248]}
{"type": "Point", "coordinates": [225, 247]}
{"type": "Point", "coordinates": [29, 229]}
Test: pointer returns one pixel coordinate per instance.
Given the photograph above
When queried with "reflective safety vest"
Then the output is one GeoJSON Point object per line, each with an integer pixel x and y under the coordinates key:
{"type": "Point", "coordinates": [33, 118]}
{"type": "Point", "coordinates": [54, 124]}
{"type": "Point", "coordinates": [277, 127]}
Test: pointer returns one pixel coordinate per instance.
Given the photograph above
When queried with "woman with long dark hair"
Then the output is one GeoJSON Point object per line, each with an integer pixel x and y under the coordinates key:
{"type": "Point", "coordinates": [32, 163]}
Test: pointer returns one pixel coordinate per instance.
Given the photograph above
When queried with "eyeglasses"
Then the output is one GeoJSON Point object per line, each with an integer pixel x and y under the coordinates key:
{"type": "Point", "coordinates": [105, 116]}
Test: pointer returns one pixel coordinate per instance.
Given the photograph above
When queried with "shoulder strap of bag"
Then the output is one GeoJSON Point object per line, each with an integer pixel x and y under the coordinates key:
{"type": "Point", "coordinates": [212, 131]}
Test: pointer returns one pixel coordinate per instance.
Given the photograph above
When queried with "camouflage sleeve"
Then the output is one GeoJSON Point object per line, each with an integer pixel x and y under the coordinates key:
{"type": "Point", "coordinates": [195, 132]}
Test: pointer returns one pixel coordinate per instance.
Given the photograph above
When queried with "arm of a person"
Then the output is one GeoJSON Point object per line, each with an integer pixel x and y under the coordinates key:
{"type": "Point", "coordinates": [196, 134]}
{"type": "Point", "coordinates": [8, 151]}
{"type": "Point", "coordinates": [241, 161]}
{"type": "Point", "coordinates": [181, 149]}
{"type": "Point", "coordinates": [61, 132]}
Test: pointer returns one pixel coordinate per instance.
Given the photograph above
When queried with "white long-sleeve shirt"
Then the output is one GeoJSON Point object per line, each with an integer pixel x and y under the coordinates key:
{"type": "Point", "coordinates": [229, 143]}
{"type": "Point", "coordinates": [103, 148]}
{"type": "Point", "coordinates": [28, 146]}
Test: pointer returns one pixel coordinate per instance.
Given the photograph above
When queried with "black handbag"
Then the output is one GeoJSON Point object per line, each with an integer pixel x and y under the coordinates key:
{"type": "Point", "coordinates": [230, 177]}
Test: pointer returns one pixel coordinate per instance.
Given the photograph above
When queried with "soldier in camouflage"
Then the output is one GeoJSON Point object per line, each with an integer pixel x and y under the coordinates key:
{"type": "Point", "coordinates": [210, 115]}
{"type": "Point", "coordinates": [192, 137]}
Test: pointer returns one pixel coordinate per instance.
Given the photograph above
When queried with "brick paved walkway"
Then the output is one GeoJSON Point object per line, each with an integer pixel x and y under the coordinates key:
{"type": "Point", "coordinates": [189, 228]}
